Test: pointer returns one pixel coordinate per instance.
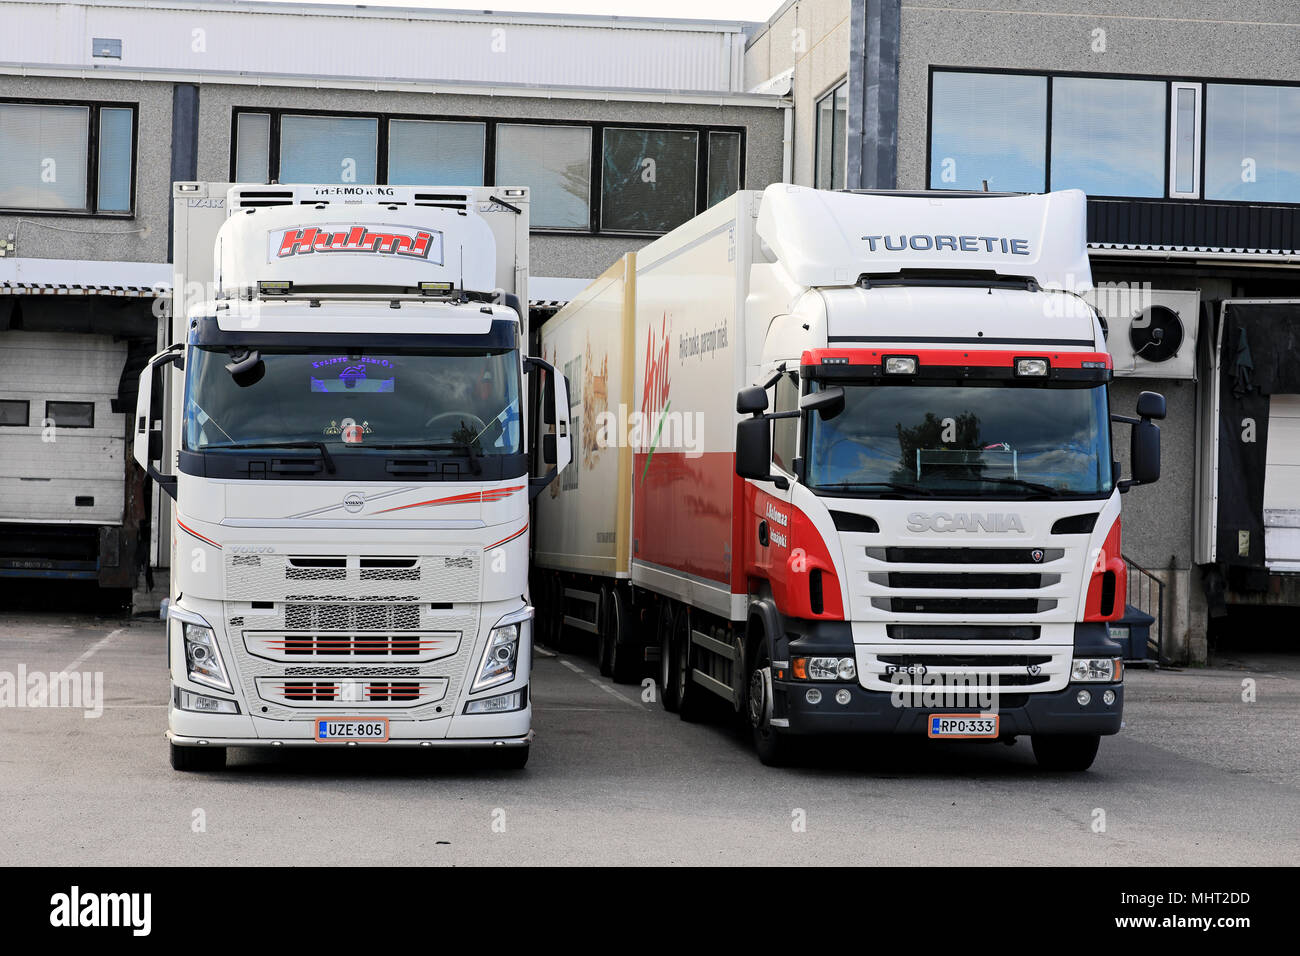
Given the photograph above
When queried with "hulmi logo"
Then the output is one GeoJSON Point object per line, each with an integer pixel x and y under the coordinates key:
{"type": "Point", "coordinates": [77, 909]}
{"type": "Point", "coordinates": [996, 522]}
{"type": "Point", "coordinates": [405, 241]}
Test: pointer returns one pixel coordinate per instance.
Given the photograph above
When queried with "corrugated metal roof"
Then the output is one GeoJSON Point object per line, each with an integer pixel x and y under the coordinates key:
{"type": "Point", "coordinates": [379, 43]}
{"type": "Point", "coordinates": [24, 276]}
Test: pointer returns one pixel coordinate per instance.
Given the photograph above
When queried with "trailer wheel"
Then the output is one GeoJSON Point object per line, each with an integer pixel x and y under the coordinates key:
{"type": "Point", "coordinates": [198, 758]}
{"type": "Point", "coordinates": [624, 667]}
{"type": "Point", "coordinates": [1072, 753]}
{"type": "Point", "coordinates": [668, 685]}
{"type": "Point", "coordinates": [774, 748]}
{"type": "Point", "coordinates": [690, 702]}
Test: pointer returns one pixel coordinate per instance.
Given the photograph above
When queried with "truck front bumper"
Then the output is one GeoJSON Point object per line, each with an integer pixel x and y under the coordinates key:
{"type": "Point", "coordinates": [875, 712]}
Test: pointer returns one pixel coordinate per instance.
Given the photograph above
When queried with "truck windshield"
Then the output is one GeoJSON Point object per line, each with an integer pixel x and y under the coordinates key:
{"type": "Point", "coordinates": [963, 442]}
{"type": "Point", "coordinates": [466, 403]}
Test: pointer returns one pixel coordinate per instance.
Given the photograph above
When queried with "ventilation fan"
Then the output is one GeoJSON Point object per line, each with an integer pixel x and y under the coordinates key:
{"type": "Point", "coordinates": [1151, 333]}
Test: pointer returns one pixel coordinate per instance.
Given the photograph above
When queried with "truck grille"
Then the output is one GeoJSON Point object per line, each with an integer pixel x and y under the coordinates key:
{"type": "Point", "coordinates": [935, 605]}
{"type": "Point", "coordinates": [964, 671]}
{"type": "Point", "coordinates": [284, 645]}
{"type": "Point", "coordinates": [351, 691]}
{"type": "Point", "coordinates": [965, 555]}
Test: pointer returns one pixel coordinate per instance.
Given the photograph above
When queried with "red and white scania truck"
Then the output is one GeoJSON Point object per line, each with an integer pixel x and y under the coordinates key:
{"type": "Point", "coordinates": [865, 479]}
{"type": "Point", "coordinates": [343, 432]}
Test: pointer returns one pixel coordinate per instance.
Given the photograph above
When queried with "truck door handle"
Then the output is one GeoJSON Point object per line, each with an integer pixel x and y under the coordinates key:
{"type": "Point", "coordinates": [762, 534]}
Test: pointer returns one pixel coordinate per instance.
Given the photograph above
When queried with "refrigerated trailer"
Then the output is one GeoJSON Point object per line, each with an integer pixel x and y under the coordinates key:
{"type": "Point", "coordinates": [350, 480]}
{"type": "Point", "coordinates": [870, 486]}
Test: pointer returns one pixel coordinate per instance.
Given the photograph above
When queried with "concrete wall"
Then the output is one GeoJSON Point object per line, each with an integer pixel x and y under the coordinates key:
{"type": "Point", "coordinates": [142, 238]}
{"type": "Point", "coordinates": [812, 36]}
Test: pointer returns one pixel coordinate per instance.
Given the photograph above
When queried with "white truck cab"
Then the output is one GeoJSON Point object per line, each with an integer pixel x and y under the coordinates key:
{"type": "Point", "coordinates": [351, 478]}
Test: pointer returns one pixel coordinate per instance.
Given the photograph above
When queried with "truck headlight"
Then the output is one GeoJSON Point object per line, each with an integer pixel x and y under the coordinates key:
{"type": "Point", "coordinates": [824, 668]}
{"type": "Point", "coordinates": [202, 658]}
{"type": "Point", "coordinates": [501, 656]}
{"type": "Point", "coordinates": [1097, 670]}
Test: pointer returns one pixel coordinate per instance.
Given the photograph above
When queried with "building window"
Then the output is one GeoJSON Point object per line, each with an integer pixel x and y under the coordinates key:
{"type": "Point", "coordinates": [648, 179]}
{"type": "Point", "coordinates": [1252, 141]}
{"type": "Point", "coordinates": [430, 152]}
{"type": "Point", "coordinates": [13, 412]}
{"type": "Point", "coordinates": [555, 163]}
{"type": "Point", "coordinates": [832, 138]}
{"type": "Point", "coordinates": [67, 158]}
{"type": "Point", "coordinates": [652, 180]}
{"type": "Point", "coordinates": [1185, 141]}
{"type": "Point", "coordinates": [71, 414]}
{"type": "Point", "coordinates": [253, 148]}
{"type": "Point", "coordinates": [724, 166]}
{"type": "Point", "coordinates": [988, 128]}
{"type": "Point", "coordinates": [328, 149]}
{"type": "Point", "coordinates": [1108, 136]}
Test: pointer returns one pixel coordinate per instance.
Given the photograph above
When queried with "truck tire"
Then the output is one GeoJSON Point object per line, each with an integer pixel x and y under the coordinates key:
{"type": "Point", "coordinates": [668, 683]}
{"type": "Point", "coordinates": [188, 759]}
{"type": "Point", "coordinates": [690, 695]}
{"type": "Point", "coordinates": [1069, 753]}
{"type": "Point", "coordinates": [624, 661]}
{"type": "Point", "coordinates": [774, 748]}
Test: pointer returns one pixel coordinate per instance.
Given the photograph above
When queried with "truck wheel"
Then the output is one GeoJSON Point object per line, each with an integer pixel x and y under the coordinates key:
{"type": "Point", "coordinates": [690, 695]}
{"type": "Point", "coordinates": [510, 758]}
{"type": "Point", "coordinates": [1071, 753]}
{"type": "Point", "coordinates": [624, 665]}
{"type": "Point", "coordinates": [198, 758]}
{"type": "Point", "coordinates": [774, 748]}
{"type": "Point", "coordinates": [604, 630]}
{"type": "Point", "coordinates": [668, 685]}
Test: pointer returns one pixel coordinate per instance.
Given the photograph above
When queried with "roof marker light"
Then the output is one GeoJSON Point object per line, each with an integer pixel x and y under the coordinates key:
{"type": "Point", "coordinates": [436, 287]}
{"type": "Point", "coordinates": [277, 286]}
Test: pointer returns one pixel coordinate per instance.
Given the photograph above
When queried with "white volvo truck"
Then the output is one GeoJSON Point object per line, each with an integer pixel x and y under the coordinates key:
{"type": "Point", "coordinates": [349, 465]}
{"type": "Point", "coordinates": [846, 463]}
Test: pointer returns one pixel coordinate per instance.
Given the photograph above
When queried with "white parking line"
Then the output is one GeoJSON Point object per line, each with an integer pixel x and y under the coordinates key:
{"type": "Point", "coordinates": [43, 696]}
{"type": "Point", "coordinates": [95, 648]}
{"type": "Point", "coordinates": [607, 688]}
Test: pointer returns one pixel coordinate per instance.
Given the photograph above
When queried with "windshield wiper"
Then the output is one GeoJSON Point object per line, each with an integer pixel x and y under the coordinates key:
{"type": "Point", "coordinates": [1020, 482]}
{"type": "Point", "coordinates": [893, 485]}
{"type": "Point", "coordinates": [318, 445]}
{"type": "Point", "coordinates": [465, 448]}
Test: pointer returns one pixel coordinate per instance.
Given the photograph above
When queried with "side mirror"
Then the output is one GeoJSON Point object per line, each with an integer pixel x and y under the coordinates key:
{"type": "Point", "coordinates": [147, 441]}
{"type": "Point", "coordinates": [827, 403]}
{"type": "Point", "coordinates": [1151, 405]}
{"type": "Point", "coordinates": [751, 400]}
{"type": "Point", "coordinates": [754, 447]}
{"type": "Point", "coordinates": [557, 446]}
{"type": "Point", "coordinates": [1144, 448]}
